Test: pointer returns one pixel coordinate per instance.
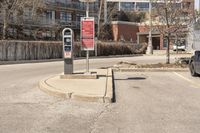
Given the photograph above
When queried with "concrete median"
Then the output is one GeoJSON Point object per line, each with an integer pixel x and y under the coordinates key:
{"type": "Point", "coordinates": [92, 90]}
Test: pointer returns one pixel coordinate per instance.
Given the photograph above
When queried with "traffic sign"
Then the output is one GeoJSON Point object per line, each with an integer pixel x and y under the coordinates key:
{"type": "Point", "coordinates": [87, 33]}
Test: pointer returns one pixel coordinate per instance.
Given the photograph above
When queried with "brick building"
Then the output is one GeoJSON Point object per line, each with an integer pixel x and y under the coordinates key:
{"type": "Point", "coordinates": [56, 15]}
{"type": "Point", "coordinates": [139, 33]}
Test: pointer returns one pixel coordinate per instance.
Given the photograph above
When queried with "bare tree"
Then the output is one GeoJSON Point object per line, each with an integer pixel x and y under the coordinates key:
{"type": "Point", "coordinates": [11, 9]}
{"type": "Point", "coordinates": [172, 19]}
{"type": "Point", "coordinates": [104, 29]}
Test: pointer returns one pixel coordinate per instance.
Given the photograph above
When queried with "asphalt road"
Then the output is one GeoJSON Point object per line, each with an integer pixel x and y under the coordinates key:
{"type": "Point", "coordinates": [145, 102]}
{"type": "Point", "coordinates": [153, 102]}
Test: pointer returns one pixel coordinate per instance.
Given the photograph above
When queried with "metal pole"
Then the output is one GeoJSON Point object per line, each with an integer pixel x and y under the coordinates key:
{"type": "Point", "coordinates": [119, 6]}
{"type": "Point", "coordinates": [150, 47]}
{"type": "Point", "coordinates": [87, 54]}
{"type": "Point", "coordinates": [87, 10]}
{"type": "Point", "coordinates": [199, 6]}
{"type": "Point", "coordinates": [96, 47]}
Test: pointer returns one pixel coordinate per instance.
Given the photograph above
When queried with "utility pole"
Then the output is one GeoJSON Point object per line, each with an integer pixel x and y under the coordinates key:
{"type": "Point", "coordinates": [150, 47]}
{"type": "Point", "coordinates": [87, 52]}
{"type": "Point", "coordinates": [105, 11]}
{"type": "Point", "coordinates": [119, 8]}
{"type": "Point", "coordinates": [199, 6]}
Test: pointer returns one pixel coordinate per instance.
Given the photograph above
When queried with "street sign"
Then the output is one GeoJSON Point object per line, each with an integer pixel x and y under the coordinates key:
{"type": "Point", "coordinates": [87, 33]}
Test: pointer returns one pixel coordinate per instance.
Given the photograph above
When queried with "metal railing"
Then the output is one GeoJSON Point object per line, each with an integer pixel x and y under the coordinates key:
{"type": "Point", "coordinates": [42, 22]}
{"type": "Point", "coordinates": [72, 5]}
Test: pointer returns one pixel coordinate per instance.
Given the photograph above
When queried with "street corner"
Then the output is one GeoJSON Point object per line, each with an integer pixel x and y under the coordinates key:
{"type": "Point", "coordinates": [98, 89]}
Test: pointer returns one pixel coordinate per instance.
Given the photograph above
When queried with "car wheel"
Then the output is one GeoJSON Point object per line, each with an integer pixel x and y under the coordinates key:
{"type": "Point", "coordinates": [192, 70]}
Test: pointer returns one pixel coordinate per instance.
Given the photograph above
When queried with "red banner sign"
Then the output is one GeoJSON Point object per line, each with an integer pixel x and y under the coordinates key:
{"type": "Point", "coordinates": [87, 33]}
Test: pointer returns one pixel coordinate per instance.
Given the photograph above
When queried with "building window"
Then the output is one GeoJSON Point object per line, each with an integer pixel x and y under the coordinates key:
{"type": "Point", "coordinates": [127, 5]}
{"type": "Point", "coordinates": [27, 13]}
{"type": "Point", "coordinates": [165, 43]}
{"type": "Point", "coordinates": [49, 15]}
{"type": "Point", "coordinates": [65, 16]}
{"type": "Point", "coordinates": [78, 17]}
{"type": "Point", "coordinates": [142, 5]}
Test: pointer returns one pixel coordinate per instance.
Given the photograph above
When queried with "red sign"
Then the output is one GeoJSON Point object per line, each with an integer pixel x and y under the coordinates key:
{"type": "Point", "coordinates": [67, 54]}
{"type": "Point", "coordinates": [87, 33]}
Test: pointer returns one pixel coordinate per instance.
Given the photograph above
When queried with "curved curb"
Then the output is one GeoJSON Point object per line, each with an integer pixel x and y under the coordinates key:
{"type": "Point", "coordinates": [43, 86]}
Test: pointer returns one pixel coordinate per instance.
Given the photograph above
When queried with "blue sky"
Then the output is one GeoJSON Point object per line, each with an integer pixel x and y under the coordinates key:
{"type": "Point", "coordinates": [197, 3]}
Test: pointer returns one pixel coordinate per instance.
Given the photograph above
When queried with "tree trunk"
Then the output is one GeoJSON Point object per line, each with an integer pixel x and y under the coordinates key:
{"type": "Point", "coordinates": [99, 19]}
{"type": "Point", "coordinates": [176, 44]}
{"type": "Point", "coordinates": [5, 24]}
{"type": "Point", "coordinates": [168, 48]}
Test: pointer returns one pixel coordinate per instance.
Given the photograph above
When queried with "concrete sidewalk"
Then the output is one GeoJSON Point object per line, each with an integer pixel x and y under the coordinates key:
{"type": "Point", "coordinates": [93, 90]}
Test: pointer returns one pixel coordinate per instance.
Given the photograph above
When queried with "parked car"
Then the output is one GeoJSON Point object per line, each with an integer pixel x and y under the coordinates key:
{"type": "Point", "coordinates": [194, 64]}
{"type": "Point", "coordinates": [179, 45]}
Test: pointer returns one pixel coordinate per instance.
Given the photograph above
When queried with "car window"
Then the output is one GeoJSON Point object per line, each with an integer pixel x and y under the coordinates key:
{"type": "Point", "coordinates": [198, 58]}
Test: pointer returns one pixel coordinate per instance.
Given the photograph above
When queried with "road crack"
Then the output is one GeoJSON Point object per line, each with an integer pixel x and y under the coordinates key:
{"type": "Point", "coordinates": [103, 112]}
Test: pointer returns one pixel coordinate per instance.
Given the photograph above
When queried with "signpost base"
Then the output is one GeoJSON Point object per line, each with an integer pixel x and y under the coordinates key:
{"type": "Point", "coordinates": [87, 62]}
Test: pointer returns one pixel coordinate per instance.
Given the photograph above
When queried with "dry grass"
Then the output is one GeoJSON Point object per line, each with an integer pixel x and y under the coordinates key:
{"type": "Point", "coordinates": [158, 65]}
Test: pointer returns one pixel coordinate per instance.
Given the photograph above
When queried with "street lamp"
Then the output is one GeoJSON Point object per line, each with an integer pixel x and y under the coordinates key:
{"type": "Point", "coordinates": [150, 47]}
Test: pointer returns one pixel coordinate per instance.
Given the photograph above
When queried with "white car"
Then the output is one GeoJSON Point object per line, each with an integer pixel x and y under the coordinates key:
{"type": "Point", "coordinates": [179, 47]}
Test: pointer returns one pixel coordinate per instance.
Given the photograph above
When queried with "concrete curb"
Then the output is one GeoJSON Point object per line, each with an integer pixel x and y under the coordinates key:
{"type": "Point", "coordinates": [43, 86]}
{"type": "Point", "coordinates": [107, 98]}
{"type": "Point", "coordinates": [150, 70]}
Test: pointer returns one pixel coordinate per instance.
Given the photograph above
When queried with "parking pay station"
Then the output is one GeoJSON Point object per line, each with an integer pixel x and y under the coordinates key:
{"type": "Point", "coordinates": [68, 40]}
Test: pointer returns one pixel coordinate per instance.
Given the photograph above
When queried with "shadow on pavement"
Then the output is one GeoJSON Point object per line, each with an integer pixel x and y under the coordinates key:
{"type": "Point", "coordinates": [133, 78]}
{"type": "Point", "coordinates": [129, 78]}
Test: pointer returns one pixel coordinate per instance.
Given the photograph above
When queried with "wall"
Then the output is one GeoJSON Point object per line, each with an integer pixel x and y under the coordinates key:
{"type": "Point", "coordinates": [143, 28]}
{"type": "Point", "coordinates": [125, 31]}
{"type": "Point", "coordinates": [29, 50]}
{"type": "Point", "coordinates": [37, 50]}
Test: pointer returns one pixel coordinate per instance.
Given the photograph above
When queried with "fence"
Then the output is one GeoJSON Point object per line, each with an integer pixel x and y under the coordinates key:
{"type": "Point", "coordinates": [37, 50]}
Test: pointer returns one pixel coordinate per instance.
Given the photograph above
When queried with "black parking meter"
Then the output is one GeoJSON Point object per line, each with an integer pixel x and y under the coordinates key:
{"type": "Point", "coordinates": [68, 40]}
